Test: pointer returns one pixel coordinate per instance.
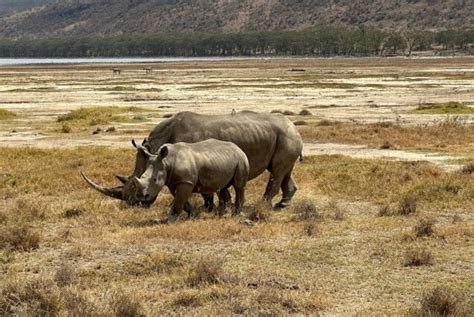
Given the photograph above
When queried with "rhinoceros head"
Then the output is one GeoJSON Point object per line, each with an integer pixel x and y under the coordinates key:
{"type": "Point", "coordinates": [130, 191]}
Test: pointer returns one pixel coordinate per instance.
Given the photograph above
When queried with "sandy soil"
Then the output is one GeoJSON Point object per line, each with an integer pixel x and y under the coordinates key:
{"type": "Point", "coordinates": [352, 90]}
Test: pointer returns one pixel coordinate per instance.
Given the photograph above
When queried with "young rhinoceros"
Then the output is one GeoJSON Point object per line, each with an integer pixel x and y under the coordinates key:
{"type": "Point", "coordinates": [185, 168]}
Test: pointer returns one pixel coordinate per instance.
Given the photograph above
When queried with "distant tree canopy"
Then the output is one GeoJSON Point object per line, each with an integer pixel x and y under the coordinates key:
{"type": "Point", "coordinates": [322, 41]}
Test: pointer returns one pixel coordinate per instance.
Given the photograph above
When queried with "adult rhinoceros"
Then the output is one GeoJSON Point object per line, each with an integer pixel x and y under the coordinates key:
{"type": "Point", "coordinates": [270, 141]}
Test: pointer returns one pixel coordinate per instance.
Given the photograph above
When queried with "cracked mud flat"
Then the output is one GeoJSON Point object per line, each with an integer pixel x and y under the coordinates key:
{"type": "Point", "coordinates": [347, 90]}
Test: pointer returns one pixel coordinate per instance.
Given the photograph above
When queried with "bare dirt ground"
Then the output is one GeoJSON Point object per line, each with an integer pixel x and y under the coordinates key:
{"type": "Point", "coordinates": [344, 90]}
{"type": "Point", "coordinates": [375, 228]}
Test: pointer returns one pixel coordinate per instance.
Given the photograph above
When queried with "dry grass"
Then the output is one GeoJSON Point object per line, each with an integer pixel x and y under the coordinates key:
{"type": "Point", "coordinates": [19, 238]}
{"type": "Point", "coordinates": [424, 227]}
{"type": "Point", "coordinates": [98, 115]}
{"type": "Point", "coordinates": [450, 135]}
{"type": "Point", "coordinates": [407, 205]}
{"type": "Point", "coordinates": [418, 257]}
{"type": "Point", "coordinates": [6, 114]}
{"type": "Point", "coordinates": [205, 272]}
{"type": "Point", "coordinates": [444, 302]}
{"type": "Point", "coordinates": [100, 257]}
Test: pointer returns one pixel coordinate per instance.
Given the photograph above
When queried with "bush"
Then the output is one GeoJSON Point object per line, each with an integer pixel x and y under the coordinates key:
{"type": "Point", "coordinates": [424, 228]}
{"type": "Point", "coordinates": [468, 169]}
{"type": "Point", "coordinates": [300, 122]}
{"type": "Point", "coordinates": [418, 257]}
{"type": "Point", "coordinates": [306, 210]}
{"type": "Point", "coordinates": [443, 302]}
{"type": "Point", "coordinates": [65, 275]}
{"type": "Point", "coordinates": [386, 146]}
{"type": "Point", "coordinates": [305, 112]}
{"type": "Point", "coordinates": [288, 113]}
{"type": "Point", "coordinates": [407, 205]}
{"type": "Point", "coordinates": [205, 272]}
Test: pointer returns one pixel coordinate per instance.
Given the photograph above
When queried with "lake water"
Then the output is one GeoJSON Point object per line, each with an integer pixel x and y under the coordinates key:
{"type": "Point", "coordinates": [112, 60]}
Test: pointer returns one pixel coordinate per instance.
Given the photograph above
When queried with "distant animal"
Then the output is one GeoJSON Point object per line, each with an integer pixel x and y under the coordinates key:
{"type": "Point", "coordinates": [186, 168]}
{"type": "Point", "coordinates": [116, 71]}
{"type": "Point", "coordinates": [148, 70]}
{"type": "Point", "coordinates": [270, 141]}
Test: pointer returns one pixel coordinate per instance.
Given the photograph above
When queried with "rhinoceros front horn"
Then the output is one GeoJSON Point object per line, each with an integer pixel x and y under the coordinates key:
{"type": "Point", "coordinates": [115, 192]}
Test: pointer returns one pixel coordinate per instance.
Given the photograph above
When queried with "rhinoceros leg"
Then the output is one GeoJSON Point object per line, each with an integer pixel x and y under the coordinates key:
{"type": "Point", "coordinates": [289, 189]}
{"type": "Point", "coordinates": [239, 200]}
{"type": "Point", "coordinates": [208, 201]}
{"type": "Point", "coordinates": [181, 195]}
{"type": "Point", "coordinates": [224, 198]}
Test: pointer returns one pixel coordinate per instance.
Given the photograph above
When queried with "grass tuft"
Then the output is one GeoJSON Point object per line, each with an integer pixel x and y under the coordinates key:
{"type": "Point", "coordinates": [65, 275]}
{"type": "Point", "coordinates": [444, 302]}
{"type": "Point", "coordinates": [19, 238]}
{"type": "Point", "coordinates": [124, 305]}
{"type": "Point", "coordinates": [35, 297]}
{"type": "Point", "coordinates": [468, 169]}
{"type": "Point", "coordinates": [305, 112]}
{"type": "Point", "coordinates": [260, 211]}
{"type": "Point", "coordinates": [206, 271]}
{"type": "Point", "coordinates": [418, 257]}
{"type": "Point", "coordinates": [306, 210]}
{"type": "Point", "coordinates": [424, 228]}
{"type": "Point", "coordinates": [407, 205]}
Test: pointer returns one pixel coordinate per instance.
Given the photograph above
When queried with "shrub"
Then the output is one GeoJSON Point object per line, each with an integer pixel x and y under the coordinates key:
{"type": "Point", "coordinates": [65, 275]}
{"type": "Point", "coordinates": [468, 169]}
{"type": "Point", "coordinates": [424, 228]}
{"type": "Point", "coordinates": [443, 302]}
{"type": "Point", "coordinates": [276, 111]}
{"type": "Point", "coordinates": [418, 257]}
{"type": "Point", "coordinates": [19, 238]}
{"type": "Point", "coordinates": [205, 272]}
{"type": "Point", "coordinates": [305, 112]}
{"type": "Point", "coordinates": [300, 122]}
{"type": "Point", "coordinates": [168, 115]}
{"type": "Point", "coordinates": [306, 210]}
{"type": "Point", "coordinates": [386, 146]}
{"type": "Point", "coordinates": [288, 113]}
{"type": "Point", "coordinates": [407, 205]}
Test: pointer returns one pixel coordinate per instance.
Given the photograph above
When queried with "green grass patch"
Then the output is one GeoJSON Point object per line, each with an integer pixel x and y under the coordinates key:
{"type": "Point", "coordinates": [101, 115]}
{"type": "Point", "coordinates": [451, 107]}
{"type": "Point", "coordinates": [6, 114]}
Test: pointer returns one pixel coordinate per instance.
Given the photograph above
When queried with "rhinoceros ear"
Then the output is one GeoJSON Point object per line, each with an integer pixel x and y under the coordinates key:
{"type": "Point", "coordinates": [134, 144]}
{"type": "Point", "coordinates": [164, 151]}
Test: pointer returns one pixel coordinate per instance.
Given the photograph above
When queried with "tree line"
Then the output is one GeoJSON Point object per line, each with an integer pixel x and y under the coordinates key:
{"type": "Point", "coordinates": [322, 41]}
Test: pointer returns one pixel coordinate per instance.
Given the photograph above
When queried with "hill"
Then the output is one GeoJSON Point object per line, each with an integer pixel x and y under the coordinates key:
{"type": "Point", "coordinates": [10, 6]}
{"type": "Point", "coordinates": [102, 17]}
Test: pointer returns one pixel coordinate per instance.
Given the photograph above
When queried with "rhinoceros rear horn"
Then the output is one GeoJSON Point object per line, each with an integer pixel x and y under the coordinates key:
{"type": "Point", "coordinates": [122, 179]}
{"type": "Point", "coordinates": [115, 192]}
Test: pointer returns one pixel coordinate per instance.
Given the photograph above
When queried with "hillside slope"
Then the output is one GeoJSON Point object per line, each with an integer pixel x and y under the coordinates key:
{"type": "Point", "coordinates": [86, 17]}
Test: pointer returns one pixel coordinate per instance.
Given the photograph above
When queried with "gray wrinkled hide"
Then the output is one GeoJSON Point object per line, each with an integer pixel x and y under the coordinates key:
{"type": "Point", "coordinates": [270, 141]}
{"type": "Point", "coordinates": [186, 168]}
